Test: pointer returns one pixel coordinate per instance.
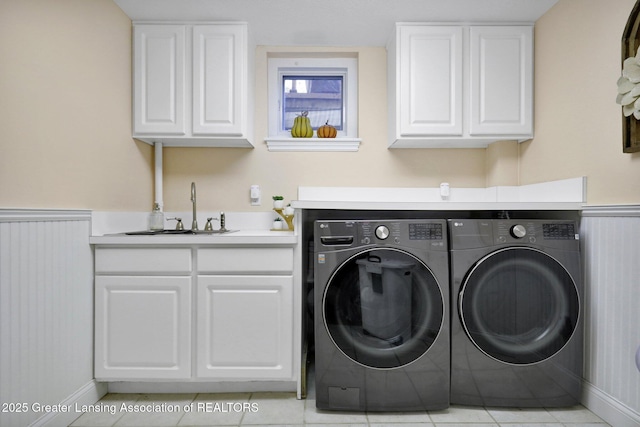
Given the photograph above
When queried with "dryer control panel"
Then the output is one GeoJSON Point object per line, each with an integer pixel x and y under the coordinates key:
{"type": "Point", "coordinates": [467, 234]}
{"type": "Point", "coordinates": [508, 231]}
{"type": "Point", "coordinates": [534, 231]}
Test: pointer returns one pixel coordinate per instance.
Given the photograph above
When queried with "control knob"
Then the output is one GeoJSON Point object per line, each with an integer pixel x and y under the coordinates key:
{"type": "Point", "coordinates": [518, 231]}
{"type": "Point", "coordinates": [382, 232]}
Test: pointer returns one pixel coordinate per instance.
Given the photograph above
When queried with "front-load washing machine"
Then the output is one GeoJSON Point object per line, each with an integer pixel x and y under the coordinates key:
{"type": "Point", "coordinates": [516, 329]}
{"type": "Point", "coordinates": [381, 315]}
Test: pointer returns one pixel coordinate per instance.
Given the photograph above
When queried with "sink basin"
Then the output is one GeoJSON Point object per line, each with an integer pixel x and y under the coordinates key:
{"type": "Point", "coordinates": [179, 232]}
{"type": "Point", "coordinates": [212, 231]}
{"type": "Point", "coordinates": [155, 232]}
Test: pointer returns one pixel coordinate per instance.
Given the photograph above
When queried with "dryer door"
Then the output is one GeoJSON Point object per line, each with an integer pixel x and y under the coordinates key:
{"type": "Point", "coordinates": [519, 305]}
{"type": "Point", "coordinates": [383, 308]}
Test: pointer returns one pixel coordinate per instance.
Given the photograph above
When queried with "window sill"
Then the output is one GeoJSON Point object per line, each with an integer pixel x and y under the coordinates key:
{"type": "Point", "coordinates": [313, 144]}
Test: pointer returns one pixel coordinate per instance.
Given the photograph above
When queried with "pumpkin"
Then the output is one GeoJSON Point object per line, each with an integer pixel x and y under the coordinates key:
{"type": "Point", "coordinates": [302, 126]}
{"type": "Point", "coordinates": [327, 131]}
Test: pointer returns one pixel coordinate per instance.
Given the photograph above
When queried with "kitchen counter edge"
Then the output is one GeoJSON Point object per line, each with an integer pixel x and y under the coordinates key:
{"type": "Point", "coordinates": [248, 237]}
{"type": "Point", "coordinates": [439, 206]}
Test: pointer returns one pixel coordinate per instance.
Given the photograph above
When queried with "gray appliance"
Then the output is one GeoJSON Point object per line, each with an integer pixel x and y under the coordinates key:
{"type": "Point", "coordinates": [381, 315]}
{"type": "Point", "coordinates": [516, 329]}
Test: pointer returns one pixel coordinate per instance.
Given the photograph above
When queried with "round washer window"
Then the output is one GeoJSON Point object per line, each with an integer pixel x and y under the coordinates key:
{"type": "Point", "coordinates": [383, 308]}
{"type": "Point", "coordinates": [519, 305]}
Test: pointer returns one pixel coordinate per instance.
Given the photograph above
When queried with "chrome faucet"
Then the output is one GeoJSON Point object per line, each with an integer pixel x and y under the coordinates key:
{"type": "Point", "coordinates": [194, 223]}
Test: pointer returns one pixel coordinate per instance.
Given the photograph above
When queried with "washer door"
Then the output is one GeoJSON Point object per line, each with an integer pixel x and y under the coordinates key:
{"type": "Point", "coordinates": [383, 308]}
{"type": "Point", "coordinates": [519, 305]}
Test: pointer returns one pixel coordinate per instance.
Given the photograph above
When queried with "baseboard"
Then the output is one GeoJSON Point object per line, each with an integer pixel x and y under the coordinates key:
{"type": "Point", "coordinates": [608, 408]}
{"type": "Point", "coordinates": [201, 387]}
{"type": "Point", "coordinates": [89, 394]}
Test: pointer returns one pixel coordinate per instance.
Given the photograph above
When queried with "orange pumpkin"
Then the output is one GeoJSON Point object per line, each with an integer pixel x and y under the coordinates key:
{"type": "Point", "coordinates": [327, 131]}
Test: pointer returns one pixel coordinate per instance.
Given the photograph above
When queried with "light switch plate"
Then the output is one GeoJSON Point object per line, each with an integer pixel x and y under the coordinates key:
{"type": "Point", "coordinates": [255, 195]}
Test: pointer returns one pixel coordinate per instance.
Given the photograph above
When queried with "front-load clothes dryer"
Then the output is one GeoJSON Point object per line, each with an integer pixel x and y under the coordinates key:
{"type": "Point", "coordinates": [516, 330]}
{"type": "Point", "coordinates": [381, 315]}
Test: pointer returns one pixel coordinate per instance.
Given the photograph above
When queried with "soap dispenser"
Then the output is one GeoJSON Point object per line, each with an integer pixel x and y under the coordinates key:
{"type": "Point", "coordinates": [156, 218]}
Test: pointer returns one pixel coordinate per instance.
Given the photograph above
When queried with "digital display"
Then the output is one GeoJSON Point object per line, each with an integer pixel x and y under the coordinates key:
{"type": "Point", "coordinates": [424, 231]}
{"type": "Point", "coordinates": [559, 231]}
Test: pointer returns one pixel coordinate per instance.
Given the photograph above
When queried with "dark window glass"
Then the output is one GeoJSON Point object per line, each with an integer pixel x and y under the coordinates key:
{"type": "Point", "coordinates": [321, 96]}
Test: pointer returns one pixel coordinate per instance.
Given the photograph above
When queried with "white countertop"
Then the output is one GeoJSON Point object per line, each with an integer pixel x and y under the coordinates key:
{"type": "Point", "coordinates": [248, 237]}
{"type": "Point", "coordinates": [567, 194]}
{"type": "Point", "coordinates": [109, 228]}
{"type": "Point", "coordinates": [438, 206]}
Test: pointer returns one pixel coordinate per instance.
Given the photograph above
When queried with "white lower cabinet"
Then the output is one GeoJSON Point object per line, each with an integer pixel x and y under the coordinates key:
{"type": "Point", "coordinates": [199, 313]}
{"type": "Point", "coordinates": [143, 327]}
{"type": "Point", "coordinates": [245, 327]}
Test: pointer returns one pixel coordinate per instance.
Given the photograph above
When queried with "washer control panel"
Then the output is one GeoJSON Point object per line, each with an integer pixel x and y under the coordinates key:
{"type": "Point", "coordinates": [408, 232]}
{"type": "Point", "coordinates": [426, 231]}
{"type": "Point", "coordinates": [337, 235]}
{"type": "Point", "coordinates": [559, 231]}
{"type": "Point", "coordinates": [518, 231]}
{"type": "Point", "coordinates": [382, 232]}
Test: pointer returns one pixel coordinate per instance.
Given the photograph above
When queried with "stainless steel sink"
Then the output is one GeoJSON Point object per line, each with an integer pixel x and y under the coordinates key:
{"type": "Point", "coordinates": [179, 232]}
{"type": "Point", "coordinates": [212, 231]}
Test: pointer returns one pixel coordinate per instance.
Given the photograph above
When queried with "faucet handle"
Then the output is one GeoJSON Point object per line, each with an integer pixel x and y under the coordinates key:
{"type": "Point", "coordinates": [179, 225]}
{"type": "Point", "coordinates": [223, 221]}
{"type": "Point", "coordinates": [208, 226]}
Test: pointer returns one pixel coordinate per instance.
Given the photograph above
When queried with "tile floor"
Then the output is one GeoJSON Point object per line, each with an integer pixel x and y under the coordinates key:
{"type": "Point", "coordinates": [283, 409]}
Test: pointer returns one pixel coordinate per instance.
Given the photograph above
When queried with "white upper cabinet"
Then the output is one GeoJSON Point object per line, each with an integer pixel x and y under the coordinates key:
{"type": "Point", "coordinates": [460, 86]}
{"type": "Point", "coordinates": [501, 60]}
{"type": "Point", "coordinates": [159, 80]}
{"type": "Point", "coordinates": [219, 80]}
{"type": "Point", "coordinates": [430, 69]}
{"type": "Point", "coordinates": [192, 85]}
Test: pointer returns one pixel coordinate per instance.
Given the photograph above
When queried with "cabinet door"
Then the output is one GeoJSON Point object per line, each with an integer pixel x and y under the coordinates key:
{"type": "Point", "coordinates": [159, 85]}
{"type": "Point", "coordinates": [143, 327]}
{"type": "Point", "coordinates": [501, 80]}
{"type": "Point", "coordinates": [245, 327]}
{"type": "Point", "coordinates": [430, 80]}
{"type": "Point", "coordinates": [219, 79]}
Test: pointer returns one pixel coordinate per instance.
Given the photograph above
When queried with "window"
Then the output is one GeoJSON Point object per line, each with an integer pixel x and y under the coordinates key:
{"type": "Point", "coordinates": [321, 96]}
{"type": "Point", "coordinates": [325, 87]}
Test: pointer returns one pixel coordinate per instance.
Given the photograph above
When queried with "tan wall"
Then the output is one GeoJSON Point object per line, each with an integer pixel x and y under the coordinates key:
{"type": "Point", "coordinates": [65, 121]}
{"type": "Point", "coordinates": [502, 163]}
{"type": "Point", "coordinates": [65, 131]}
{"type": "Point", "coordinates": [223, 176]}
{"type": "Point", "coordinates": [65, 108]}
{"type": "Point", "coordinates": [578, 129]}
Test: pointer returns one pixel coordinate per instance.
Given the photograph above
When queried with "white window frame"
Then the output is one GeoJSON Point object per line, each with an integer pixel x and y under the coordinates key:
{"type": "Point", "coordinates": [347, 67]}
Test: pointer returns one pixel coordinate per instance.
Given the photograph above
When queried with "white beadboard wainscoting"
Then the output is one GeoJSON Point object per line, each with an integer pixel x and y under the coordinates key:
{"type": "Point", "coordinates": [46, 314]}
{"type": "Point", "coordinates": [46, 317]}
{"type": "Point", "coordinates": [611, 252]}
